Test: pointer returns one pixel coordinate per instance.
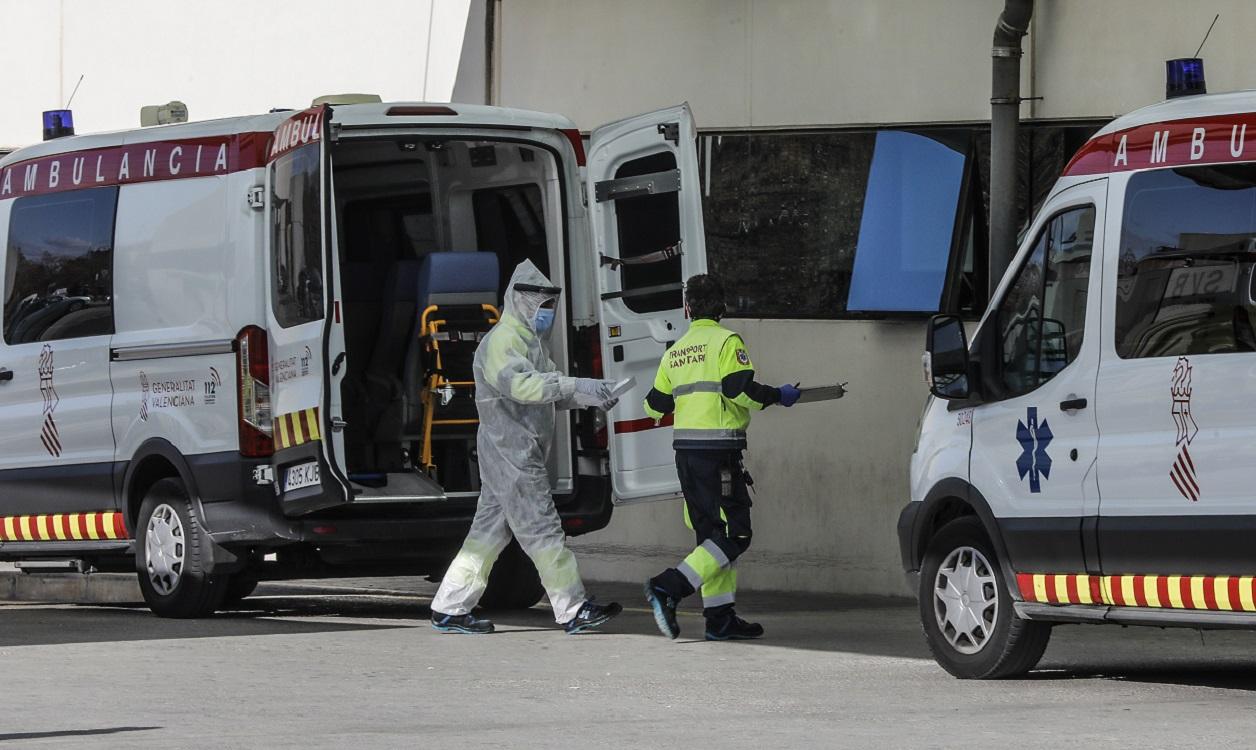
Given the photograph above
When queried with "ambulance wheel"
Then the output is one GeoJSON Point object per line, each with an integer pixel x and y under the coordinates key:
{"type": "Point", "coordinates": [513, 583]}
{"type": "Point", "coordinates": [966, 609]}
{"type": "Point", "coordinates": [172, 554]}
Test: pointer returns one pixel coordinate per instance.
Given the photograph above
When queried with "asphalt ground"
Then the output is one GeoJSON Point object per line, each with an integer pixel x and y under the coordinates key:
{"type": "Point", "coordinates": [355, 664]}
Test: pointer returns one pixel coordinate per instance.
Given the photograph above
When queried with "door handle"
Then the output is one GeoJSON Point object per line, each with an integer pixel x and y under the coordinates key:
{"type": "Point", "coordinates": [5, 374]}
{"type": "Point", "coordinates": [1072, 404]}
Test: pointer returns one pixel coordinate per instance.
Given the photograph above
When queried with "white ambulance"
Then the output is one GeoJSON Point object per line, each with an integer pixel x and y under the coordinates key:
{"type": "Point", "coordinates": [1091, 457]}
{"type": "Point", "coordinates": [241, 348]}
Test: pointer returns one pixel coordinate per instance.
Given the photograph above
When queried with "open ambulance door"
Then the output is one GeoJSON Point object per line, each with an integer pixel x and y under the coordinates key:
{"type": "Point", "coordinates": [645, 208]}
{"type": "Point", "coordinates": [300, 313]}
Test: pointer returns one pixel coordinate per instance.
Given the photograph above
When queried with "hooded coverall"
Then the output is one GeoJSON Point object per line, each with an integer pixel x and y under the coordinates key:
{"type": "Point", "coordinates": [517, 390]}
{"type": "Point", "coordinates": [707, 379]}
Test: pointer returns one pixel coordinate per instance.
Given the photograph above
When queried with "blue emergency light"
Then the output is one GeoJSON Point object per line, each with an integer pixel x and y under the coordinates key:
{"type": "Point", "coordinates": [58, 123]}
{"type": "Point", "coordinates": [1184, 77]}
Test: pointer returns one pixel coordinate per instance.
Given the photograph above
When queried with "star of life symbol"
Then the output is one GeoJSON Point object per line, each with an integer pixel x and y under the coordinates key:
{"type": "Point", "coordinates": [48, 434]}
{"type": "Point", "coordinates": [1034, 437]}
{"type": "Point", "coordinates": [1182, 472]}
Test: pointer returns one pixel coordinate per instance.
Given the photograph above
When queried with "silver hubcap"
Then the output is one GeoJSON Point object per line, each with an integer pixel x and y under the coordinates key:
{"type": "Point", "coordinates": [966, 599]}
{"type": "Point", "coordinates": [164, 549]}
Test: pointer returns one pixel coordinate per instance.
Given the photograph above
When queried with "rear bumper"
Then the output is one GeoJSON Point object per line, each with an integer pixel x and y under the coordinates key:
{"type": "Point", "coordinates": [241, 513]}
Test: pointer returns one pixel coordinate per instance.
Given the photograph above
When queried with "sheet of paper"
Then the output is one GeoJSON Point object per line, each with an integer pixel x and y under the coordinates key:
{"type": "Point", "coordinates": [623, 387]}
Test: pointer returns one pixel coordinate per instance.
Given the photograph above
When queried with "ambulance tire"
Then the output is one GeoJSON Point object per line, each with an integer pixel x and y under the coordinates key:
{"type": "Point", "coordinates": [513, 582]}
{"type": "Point", "coordinates": [184, 589]}
{"type": "Point", "coordinates": [1013, 646]}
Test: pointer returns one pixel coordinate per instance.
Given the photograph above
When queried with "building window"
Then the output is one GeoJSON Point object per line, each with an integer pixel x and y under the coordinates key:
{"type": "Point", "coordinates": [58, 272]}
{"type": "Point", "coordinates": [863, 223]}
{"type": "Point", "coordinates": [297, 237]}
{"type": "Point", "coordinates": [1185, 283]}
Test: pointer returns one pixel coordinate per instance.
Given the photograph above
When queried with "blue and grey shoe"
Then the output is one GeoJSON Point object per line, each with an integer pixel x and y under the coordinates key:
{"type": "Point", "coordinates": [592, 616]}
{"type": "Point", "coordinates": [467, 623]}
{"type": "Point", "coordinates": [664, 606]}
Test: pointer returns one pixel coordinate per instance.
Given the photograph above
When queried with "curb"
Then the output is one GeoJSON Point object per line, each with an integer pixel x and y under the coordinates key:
{"type": "Point", "coordinates": [70, 588]}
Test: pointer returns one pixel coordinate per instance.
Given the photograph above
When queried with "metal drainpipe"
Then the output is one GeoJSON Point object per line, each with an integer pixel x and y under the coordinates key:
{"type": "Point", "coordinates": [1005, 102]}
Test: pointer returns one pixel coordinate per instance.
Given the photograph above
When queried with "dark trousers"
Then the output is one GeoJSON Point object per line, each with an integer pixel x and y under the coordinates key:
{"type": "Point", "coordinates": [717, 507]}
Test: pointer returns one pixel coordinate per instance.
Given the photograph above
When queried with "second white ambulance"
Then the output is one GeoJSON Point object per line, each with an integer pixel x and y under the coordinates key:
{"type": "Point", "coordinates": [1091, 457]}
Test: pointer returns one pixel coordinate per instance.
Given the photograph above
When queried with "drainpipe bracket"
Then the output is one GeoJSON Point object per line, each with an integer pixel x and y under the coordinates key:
{"type": "Point", "coordinates": [1006, 99]}
{"type": "Point", "coordinates": [1007, 52]}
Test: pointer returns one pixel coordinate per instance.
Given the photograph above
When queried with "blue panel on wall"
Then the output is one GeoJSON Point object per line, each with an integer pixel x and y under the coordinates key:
{"type": "Point", "coordinates": [909, 214]}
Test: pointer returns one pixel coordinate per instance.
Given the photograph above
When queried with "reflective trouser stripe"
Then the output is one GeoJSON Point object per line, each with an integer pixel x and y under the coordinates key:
{"type": "Point", "coordinates": [701, 386]}
{"type": "Point", "coordinates": [721, 588]}
{"type": "Point", "coordinates": [706, 560]}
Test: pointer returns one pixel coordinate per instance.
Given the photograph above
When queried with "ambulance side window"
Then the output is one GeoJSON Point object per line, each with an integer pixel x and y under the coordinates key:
{"type": "Point", "coordinates": [647, 224]}
{"type": "Point", "coordinates": [1185, 278]}
{"type": "Point", "coordinates": [59, 270]}
{"type": "Point", "coordinates": [297, 237]}
{"type": "Point", "coordinates": [1042, 319]}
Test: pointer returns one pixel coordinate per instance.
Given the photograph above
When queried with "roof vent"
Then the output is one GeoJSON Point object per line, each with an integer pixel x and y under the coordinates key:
{"type": "Point", "coordinates": [163, 114]}
{"type": "Point", "coordinates": [334, 99]}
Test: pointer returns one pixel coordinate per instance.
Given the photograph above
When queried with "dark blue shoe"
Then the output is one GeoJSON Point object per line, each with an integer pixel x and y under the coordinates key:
{"type": "Point", "coordinates": [467, 623]}
{"type": "Point", "coordinates": [664, 606]}
{"type": "Point", "coordinates": [732, 628]}
{"type": "Point", "coordinates": [592, 616]}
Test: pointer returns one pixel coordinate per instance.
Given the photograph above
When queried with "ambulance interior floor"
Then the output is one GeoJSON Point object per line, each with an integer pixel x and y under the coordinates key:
{"type": "Point", "coordinates": [355, 663]}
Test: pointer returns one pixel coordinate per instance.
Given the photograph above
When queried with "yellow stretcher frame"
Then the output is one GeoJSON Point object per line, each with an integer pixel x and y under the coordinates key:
{"type": "Point", "coordinates": [428, 328]}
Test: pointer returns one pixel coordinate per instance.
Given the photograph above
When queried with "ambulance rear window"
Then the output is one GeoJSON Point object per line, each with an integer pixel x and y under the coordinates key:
{"type": "Point", "coordinates": [297, 237]}
{"type": "Point", "coordinates": [1185, 281]}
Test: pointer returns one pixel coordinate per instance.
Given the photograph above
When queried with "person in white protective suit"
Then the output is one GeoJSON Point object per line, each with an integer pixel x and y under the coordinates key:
{"type": "Point", "coordinates": [518, 388]}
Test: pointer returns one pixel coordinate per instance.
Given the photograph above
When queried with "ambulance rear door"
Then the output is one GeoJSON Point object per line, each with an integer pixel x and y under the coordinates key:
{"type": "Point", "coordinates": [301, 311]}
{"type": "Point", "coordinates": [645, 209]}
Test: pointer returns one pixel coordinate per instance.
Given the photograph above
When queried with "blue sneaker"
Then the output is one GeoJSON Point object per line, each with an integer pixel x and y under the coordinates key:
{"type": "Point", "coordinates": [664, 606]}
{"type": "Point", "coordinates": [467, 623]}
{"type": "Point", "coordinates": [592, 616]}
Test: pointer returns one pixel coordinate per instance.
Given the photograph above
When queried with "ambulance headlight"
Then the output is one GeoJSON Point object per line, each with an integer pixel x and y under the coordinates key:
{"type": "Point", "coordinates": [1184, 77]}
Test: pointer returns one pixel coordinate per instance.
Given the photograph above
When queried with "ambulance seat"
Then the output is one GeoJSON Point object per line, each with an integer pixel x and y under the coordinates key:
{"type": "Point", "coordinates": [457, 305]}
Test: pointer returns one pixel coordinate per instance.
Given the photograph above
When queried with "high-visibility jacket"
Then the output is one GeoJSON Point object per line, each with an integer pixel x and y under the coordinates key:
{"type": "Point", "coordinates": [707, 379]}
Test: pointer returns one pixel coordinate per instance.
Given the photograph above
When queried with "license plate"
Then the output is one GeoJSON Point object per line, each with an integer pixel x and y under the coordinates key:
{"type": "Point", "coordinates": [301, 476]}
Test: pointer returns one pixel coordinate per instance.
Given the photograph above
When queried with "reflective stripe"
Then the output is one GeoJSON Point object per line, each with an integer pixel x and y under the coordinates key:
{"type": "Point", "coordinates": [721, 559]}
{"type": "Point", "coordinates": [691, 575]}
{"type": "Point", "coordinates": [714, 434]}
{"type": "Point", "coordinates": [719, 600]}
{"type": "Point", "coordinates": [702, 386]}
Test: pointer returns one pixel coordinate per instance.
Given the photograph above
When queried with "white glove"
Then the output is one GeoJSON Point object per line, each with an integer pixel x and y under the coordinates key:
{"type": "Point", "coordinates": [590, 392]}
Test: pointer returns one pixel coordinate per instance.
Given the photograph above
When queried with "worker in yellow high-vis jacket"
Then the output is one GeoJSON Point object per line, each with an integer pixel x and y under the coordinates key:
{"type": "Point", "coordinates": [707, 380]}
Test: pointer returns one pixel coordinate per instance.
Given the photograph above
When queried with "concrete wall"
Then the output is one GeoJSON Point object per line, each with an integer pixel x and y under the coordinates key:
{"type": "Point", "coordinates": [832, 477]}
{"type": "Point", "coordinates": [228, 57]}
{"type": "Point", "coordinates": [774, 63]}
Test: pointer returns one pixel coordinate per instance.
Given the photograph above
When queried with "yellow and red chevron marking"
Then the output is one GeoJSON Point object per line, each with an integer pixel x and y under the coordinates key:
{"type": "Point", "coordinates": [1220, 593]}
{"type": "Point", "coordinates": [63, 527]}
{"type": "Point", "coordinates": [297, 428]}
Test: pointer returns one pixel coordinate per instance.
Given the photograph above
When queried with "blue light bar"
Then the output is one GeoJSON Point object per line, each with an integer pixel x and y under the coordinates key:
{"type": "Point", "coordinates": [1184, 77]}
{"type": "Point", "coordinates": [58, 123]}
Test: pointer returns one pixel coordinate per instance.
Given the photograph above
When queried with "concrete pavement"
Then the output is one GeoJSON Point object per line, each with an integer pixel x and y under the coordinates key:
{"type": "Point", "coordinates": [342, 664]}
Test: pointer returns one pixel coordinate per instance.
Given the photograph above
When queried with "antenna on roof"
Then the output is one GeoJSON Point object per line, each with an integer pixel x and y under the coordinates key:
{"type": "Point", "coordinates": [1206, 33]}
{"type": "Point", "coordinates": [75, 91]}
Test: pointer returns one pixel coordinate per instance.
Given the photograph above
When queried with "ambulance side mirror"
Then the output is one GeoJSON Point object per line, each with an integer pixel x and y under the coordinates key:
{"type": "Point", "coordinates": [946, 358]}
